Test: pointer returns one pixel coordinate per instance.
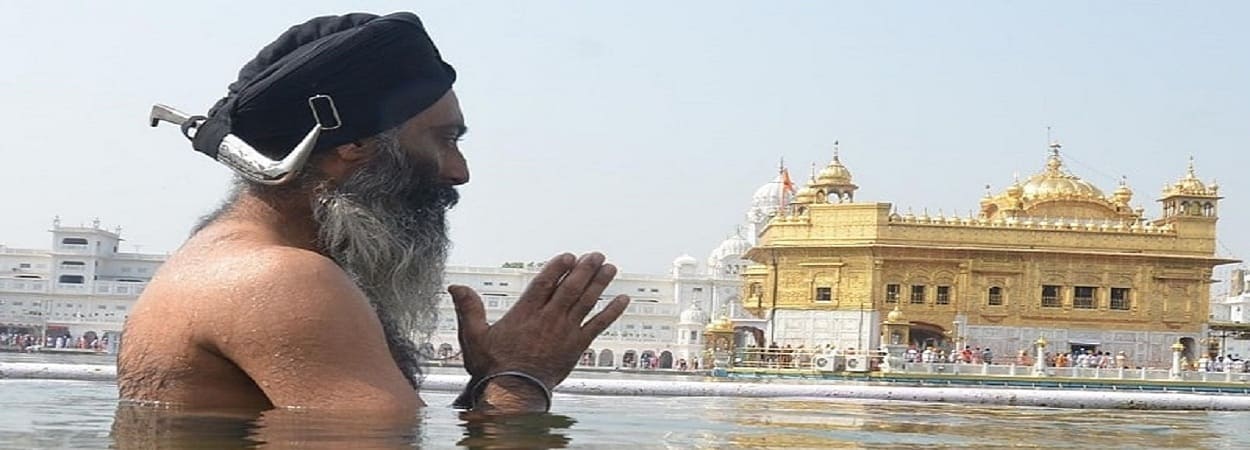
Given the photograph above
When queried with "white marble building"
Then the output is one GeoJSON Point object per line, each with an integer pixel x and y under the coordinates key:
{"type": "Point", "coordinates": [1234, 307]}
{"type": "Point", "coordinates": [82, 286]}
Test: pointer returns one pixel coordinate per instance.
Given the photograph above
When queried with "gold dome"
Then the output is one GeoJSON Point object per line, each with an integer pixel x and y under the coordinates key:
{"type": "Point", "coordinates": [1055, 183]}
{"type": "Point", "coordinates": [895, 316]}
{"type": "Point", "coordinates": [723, 324]}
{"type": "Point", "coordinates": [1122, 194]}
{"type": "Point", "coordinates": [1190, 182]}
{"type": "Point", "coordinates": [1053, 192]}
{"type": "Point", "coordinates": [807, 195]}
{"type": "Point", "coordinates": [835, 173]}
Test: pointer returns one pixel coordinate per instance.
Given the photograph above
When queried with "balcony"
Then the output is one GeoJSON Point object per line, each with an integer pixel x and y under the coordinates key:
{"type": "Point", "coordinates": [126, 288]}
{"type": "Point", "coordinates": [24, 285]}
{"type": "Point", "coordinates": [71, 287]}
{"type": "Point", "coordinates": [73, 249]}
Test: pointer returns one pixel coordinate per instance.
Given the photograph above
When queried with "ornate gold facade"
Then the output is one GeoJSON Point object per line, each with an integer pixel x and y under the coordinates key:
{"type": "Point", "coordinates": [1051, 252]}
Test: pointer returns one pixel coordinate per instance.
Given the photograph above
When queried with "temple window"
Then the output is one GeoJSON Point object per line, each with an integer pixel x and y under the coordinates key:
{"type": "Point", "coordinates": [1083, 297]}
{"type": "Point", "coordinates": [74, 241]}
{"type": "Point", "coordinates": [71, 279]}
{"type": "Point", "coordinates": [892, 292]}
{"type": "Point", "coordinates": [1050, 296]}
{"type": "Point", "coordinates": [824, 294]}
{"type": "Point", "coordinates": [943, 295]}
{"type": "Point", "coordinates": [917, 294]}
{"type": "Point", "coordinates": [995, 296]}
{"type": "Point", "coordinates": [1119, 299]}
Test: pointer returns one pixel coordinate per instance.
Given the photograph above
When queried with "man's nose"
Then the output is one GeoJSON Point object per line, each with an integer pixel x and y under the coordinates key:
{"type": "Point", "coordinates": [454, 170]}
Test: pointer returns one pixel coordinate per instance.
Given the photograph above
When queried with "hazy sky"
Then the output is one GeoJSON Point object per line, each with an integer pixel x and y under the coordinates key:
{"type": "Point", "coordinates": [642, 128]}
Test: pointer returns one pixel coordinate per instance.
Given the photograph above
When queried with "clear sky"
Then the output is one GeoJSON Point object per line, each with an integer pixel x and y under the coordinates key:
{"type": "Point", "coordinates": [642, 128]}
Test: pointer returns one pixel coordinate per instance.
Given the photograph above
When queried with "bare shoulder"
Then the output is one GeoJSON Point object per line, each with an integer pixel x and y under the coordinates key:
{"type": "Point", "coordinates": [241, 290]}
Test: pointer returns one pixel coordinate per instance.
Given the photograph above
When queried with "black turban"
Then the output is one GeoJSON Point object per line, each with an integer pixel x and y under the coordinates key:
{"type": "Point", "coordinates": [378, 70]}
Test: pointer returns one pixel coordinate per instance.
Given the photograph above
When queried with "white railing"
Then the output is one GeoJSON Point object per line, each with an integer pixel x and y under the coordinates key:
{"type": "Point", "coordinates": [1013, 370]}
{"type": "Point", "coordinates": [119, 288]}
{"type": "Point", "coordinates": [71, 287]}
{"type": "Point", "coordinates": [817, 361]}
{"type": "Point", "coordinates": [141, 256]}
{"type": "Point", "coordinates": [24, 285]}
{"type": "Point", "coordinates": [77, 249]}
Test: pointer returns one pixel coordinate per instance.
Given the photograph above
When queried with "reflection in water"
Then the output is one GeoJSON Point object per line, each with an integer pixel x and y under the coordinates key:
{"type": "Point", "coordinates": [526, 431]}
{"type": "Point", "coordinates": [146, 426]}
{"type": "Point", "coordinates": [66, 414]}
{"type": "Point", "coordinates": [847, 423]}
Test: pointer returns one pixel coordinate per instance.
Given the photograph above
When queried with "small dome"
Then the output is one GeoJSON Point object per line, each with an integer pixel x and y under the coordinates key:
{"type": "Point", "coordinates": [895, 316]}
{"type": "Point", "coordinates": [685, 260]}
{"type": "Point", "coordinates": [732, 247]}
{"type": "Point", "coordinates": [768, 197]}
{"type": "Point", "coordinates": [723, 324]}
{"type": "Point", "coordinates": [1122, 193]}
{"type": "Point", "coordinates": [807, 195]}
{"type": "Point", "coordinates": [1190, 184]}
{"type": "Point", "coordinates": [693, 315]}
{"type": "Point", "coordinates": [834, 173]}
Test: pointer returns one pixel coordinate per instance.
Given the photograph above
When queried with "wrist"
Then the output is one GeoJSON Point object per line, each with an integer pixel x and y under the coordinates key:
{"type": "Point", "coordinates": [507, 392]}
{"type": "Point", "coordinates": [514, 394]}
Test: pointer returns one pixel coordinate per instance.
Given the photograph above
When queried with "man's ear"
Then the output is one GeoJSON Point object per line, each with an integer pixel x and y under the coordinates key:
{"type": "Point", "coordinates": [345, 158]}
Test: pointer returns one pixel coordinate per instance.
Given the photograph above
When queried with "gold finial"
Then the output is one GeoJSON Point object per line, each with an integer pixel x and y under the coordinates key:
{"type": "Point", "coordinates": [988, 194]}
{"type": "Point", "coordinates": [835, 150]}
{"type": "Point", "coordinates": [1190, 173]}
{"type": "Point", "coordinates": [813, 179]}
{"type": "Point", "coordinates": [1054, 162]}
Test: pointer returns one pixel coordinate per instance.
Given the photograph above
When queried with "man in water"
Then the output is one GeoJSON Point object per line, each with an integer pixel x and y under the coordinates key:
{"type": "Point", "coordinates": [306, 293]}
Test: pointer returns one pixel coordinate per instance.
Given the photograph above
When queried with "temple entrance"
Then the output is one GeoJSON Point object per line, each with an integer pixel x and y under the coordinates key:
{"type": "Point", "coordinates": [925, 335]}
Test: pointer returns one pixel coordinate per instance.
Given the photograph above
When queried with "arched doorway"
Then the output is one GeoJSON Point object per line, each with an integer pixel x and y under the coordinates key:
{"type": "Point", "coordinates": [588, 358]}
{"type": "Point", "coordinates": [666, 359]}
{"type": "Point", "coordinates": [629, 359]}
{"type": "Point", "coordinates": [605, 358]}
{"type": "Point", "coordinates": [925, 335]}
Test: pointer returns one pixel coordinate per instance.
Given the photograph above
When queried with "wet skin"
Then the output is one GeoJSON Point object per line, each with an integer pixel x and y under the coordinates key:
{"type": "Point", "coordinates": [250, 313]}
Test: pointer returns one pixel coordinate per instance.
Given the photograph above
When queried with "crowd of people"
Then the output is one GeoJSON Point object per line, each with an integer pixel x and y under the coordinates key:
{"type": "Point", "coordinates": [1222, 363]}
{"type": "Point", "coordinates": [25, 341]}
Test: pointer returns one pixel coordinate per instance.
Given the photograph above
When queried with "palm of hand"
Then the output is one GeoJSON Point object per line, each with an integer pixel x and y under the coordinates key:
{"type": "Point", "coordinates": [543, 334]}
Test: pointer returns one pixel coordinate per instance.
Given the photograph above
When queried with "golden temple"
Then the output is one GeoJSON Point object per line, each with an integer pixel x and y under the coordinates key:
{"type": "Point", "coordinates": [1051, 256]}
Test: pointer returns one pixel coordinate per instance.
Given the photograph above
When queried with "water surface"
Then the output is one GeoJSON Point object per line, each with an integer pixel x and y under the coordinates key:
{"type": "Point", "coordinates": [78, 414]}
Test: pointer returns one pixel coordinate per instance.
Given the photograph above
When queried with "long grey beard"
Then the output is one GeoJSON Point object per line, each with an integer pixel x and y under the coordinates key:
{"type": "Point", "coordinates": [385, 225]}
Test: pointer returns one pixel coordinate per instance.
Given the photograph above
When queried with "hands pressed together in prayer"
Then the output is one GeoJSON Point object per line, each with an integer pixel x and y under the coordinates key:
{"type": "Point", "coordinates": [542, 336]}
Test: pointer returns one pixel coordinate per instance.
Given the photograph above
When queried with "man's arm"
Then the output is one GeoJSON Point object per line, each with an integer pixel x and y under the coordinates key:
{"type": "Point", "coordinates": [306, 336]}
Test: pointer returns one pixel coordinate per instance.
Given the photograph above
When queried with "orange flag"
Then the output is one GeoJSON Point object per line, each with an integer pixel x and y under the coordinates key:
{"type": "Point", "coordinates": [786, 184]}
